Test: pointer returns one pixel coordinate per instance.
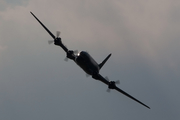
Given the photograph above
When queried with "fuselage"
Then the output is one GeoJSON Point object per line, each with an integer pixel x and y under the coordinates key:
{"type": "Point", "coordinates": [87, 63]}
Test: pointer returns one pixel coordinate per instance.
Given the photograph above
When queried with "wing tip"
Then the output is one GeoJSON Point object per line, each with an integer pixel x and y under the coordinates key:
{"type": "Point", "coordinates": [148, 107]}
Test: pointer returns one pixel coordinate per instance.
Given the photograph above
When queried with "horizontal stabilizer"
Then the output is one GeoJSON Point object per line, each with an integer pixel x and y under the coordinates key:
{"type": "Point", "coordinates": [101, 64]}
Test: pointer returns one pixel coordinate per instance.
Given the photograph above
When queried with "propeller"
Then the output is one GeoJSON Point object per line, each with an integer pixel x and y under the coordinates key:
{"type": "Point", "coordinates": [57, 36]}
{"type": "Point", "coordinates": [75, 52]}
{"type": "Point", "coordinates": [116, 82]}
{"type": "Point", "coordinates": [50, 41]}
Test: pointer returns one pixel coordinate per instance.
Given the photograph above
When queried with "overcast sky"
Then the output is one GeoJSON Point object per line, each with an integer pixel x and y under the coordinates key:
{"type": "Point", "coordinates": [143, 37]}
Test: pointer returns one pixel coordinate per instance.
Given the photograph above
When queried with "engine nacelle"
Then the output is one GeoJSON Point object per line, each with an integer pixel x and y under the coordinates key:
{"type": "Point", "coordinates": [70, 55]}
{"type": "Point", "coordinates": [58, 41]}
{"type": "Point", "coordinates": [112, 85]}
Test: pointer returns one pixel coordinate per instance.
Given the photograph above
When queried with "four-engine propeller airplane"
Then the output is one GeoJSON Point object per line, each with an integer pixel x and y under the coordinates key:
{"type": "Point", "coordinates": [87, 63]}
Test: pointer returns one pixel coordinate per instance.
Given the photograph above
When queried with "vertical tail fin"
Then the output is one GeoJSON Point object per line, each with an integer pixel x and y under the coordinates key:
{"type": "Point", "coordinates": [104, 61]}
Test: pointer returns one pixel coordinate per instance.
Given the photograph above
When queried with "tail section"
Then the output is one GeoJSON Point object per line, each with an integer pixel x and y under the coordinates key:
{"type": "Point", "coordinates": [104, 61]}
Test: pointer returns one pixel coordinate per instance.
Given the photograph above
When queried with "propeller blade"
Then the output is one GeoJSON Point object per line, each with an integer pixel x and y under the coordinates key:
{"type": "Point", "coordinates": [66, 59]}
{"type": "Point", "coordinates": [117, 82]}
{"type": "Point", "coordinates": [107, 78]}
{"type": "Point", "coordinates": [108, 90]}
{"type": "Point", "coordinates": [87, 75]}
{"type": "Point", "coordinates": [50, 41]}
{"type": "Point", "coordinates": [58, 33]}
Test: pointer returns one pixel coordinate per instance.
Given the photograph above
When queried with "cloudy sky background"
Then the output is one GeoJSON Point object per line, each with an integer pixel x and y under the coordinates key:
{"type": "Point", "coordinates": [143, 37]}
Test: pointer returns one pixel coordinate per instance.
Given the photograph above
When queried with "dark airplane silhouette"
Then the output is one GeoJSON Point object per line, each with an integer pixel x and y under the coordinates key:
{"type": "Point", "coordinates": [87, 63]}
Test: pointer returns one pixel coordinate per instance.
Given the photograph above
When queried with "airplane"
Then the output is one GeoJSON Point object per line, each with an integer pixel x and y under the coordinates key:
{"type": "Point", "coordinates": [87, 63]}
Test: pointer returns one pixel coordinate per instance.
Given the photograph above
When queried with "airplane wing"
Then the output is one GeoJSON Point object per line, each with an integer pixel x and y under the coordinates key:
{"type": "Point", "coordinates": [54, 37]}
{"type": "Point", "coordinates": [121, 91]}
{"type": "Point", "coordinates": [44, 26]}
{"type": "Point", "coordinates": [102, 79]}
